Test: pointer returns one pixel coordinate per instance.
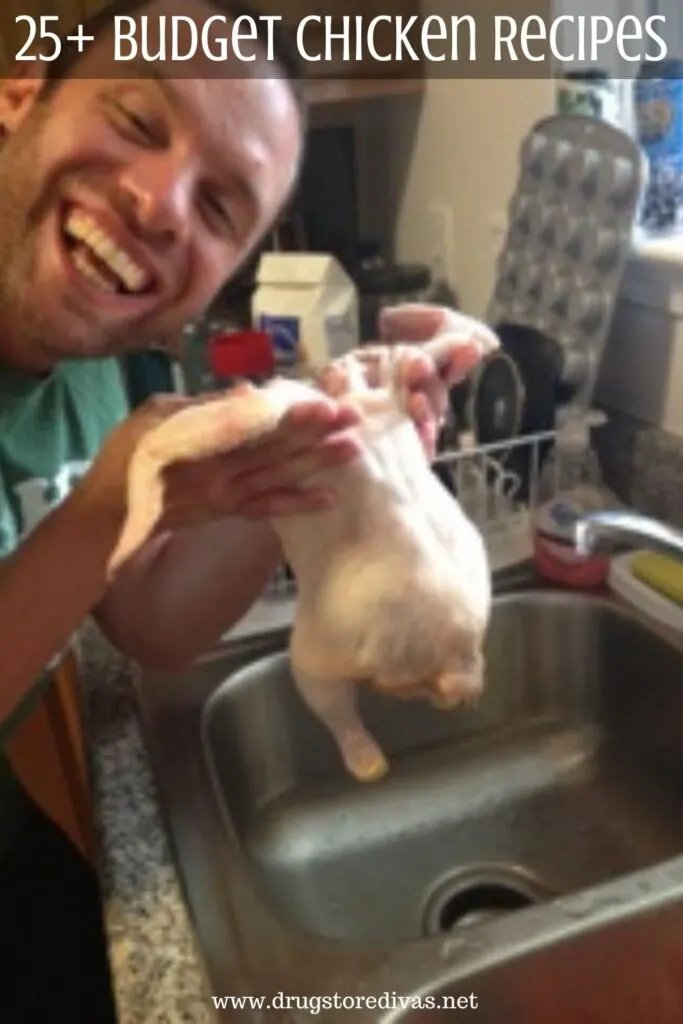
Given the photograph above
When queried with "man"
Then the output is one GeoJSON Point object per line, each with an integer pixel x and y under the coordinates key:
{"type": "Point", "coordinates": [125, 205]}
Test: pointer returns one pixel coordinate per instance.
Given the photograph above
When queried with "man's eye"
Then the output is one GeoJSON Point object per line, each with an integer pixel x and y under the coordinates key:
{"type": "Point", "coordinates": [136, 126]}
{"type": "Point", "coordinates": [219, 213]}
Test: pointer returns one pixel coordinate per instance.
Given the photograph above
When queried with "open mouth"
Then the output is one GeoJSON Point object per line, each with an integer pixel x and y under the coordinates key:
{"type": "Point", "coordinates": [99, 259]}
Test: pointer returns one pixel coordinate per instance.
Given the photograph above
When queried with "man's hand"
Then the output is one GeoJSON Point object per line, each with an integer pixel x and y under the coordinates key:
{"type": "Point", "coordinates": [180, 462]}
{"type": "Point", "coordinates": [433, 348]}
{"type": "Point", "coordinates": [184, 589]}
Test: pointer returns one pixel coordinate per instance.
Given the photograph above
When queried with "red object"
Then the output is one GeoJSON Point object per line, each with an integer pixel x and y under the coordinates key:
{"type": "Point", "coordinates": [242, 354]}
{"type": "Point", "coordinates": [559, 563]}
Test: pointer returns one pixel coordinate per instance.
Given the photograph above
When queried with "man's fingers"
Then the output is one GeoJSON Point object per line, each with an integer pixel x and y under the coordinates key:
{"type": "Point", "coordinates": [415, 322]}
{"type": "Point", "coordinates": [319, 414]}
{"type": "Point", "coordinates": [300, 429]}
{"type": "Point", "coordinates": [454, 361]}
{"type": "Point", "coordinates": [287, 502]}
{"type": "Point", "coordinates": [289, 441]}
{"type": "Point", "coordinates": [236, 480]}
{"type": "Point", "coordinates": [263, 478]}
{"type": "Point", "coordinates": [411, 322]}
{"type": "Point", "coordinates": [420, 408]}
{"type": "Point", "coordinates": [332, 451]}
{"type": "Point", "coordinates": [421, 377]}
{"type": "Point", "coordinates": [244, 418]}
{"type": "Point", "coordinates": [302, 426]}
{"type": "Point", "coordinates": [280, 502]}
{"type": "Point", "coordinates": [454, 343]}
{"type": "Point", "coordinates": [461, 363]}
{"type": "Point", "coordinates": [421, 412]}
{"type": "Point", "coordinates": [201, 452]}
{"type": "Point", "coordinates": [456, 355]}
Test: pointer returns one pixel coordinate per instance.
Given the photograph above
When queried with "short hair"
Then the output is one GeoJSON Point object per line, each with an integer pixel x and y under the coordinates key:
{"type": "Point", "coordinates": [284, 49]}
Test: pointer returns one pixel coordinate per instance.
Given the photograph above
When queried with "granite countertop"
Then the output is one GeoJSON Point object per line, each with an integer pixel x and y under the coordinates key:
{"type": "Point", "coordinates": [157, 968]}
{"type": "Point", "coordinates": [157, 971]}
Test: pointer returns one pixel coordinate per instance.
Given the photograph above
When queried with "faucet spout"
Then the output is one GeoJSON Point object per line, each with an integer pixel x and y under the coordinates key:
{"type": "Point", "coordinates": [608, 530]}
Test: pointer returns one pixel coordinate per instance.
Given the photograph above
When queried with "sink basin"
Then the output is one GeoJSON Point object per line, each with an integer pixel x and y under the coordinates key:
{"type": "Point", "coordinates": [552, 784]}
{"type": "Point", "coordinates": [548, 815]}
{"type": "Point", "coordinates": [623, 972]}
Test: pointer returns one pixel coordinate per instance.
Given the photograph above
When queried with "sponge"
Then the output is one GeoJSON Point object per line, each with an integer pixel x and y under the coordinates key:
{"type": "Point", "coordinates": [665, 575]}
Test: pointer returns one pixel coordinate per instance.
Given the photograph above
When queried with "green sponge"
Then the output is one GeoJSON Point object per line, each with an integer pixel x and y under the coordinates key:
{"type": "Point", "coordinates": [665, 575]}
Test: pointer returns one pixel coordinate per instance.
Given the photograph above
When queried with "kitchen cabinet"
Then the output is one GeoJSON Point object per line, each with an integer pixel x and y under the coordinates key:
{"type": "Point", "coordinates": [47, 753]}
{"type": "Point", "coordinates": [334, 81]}
{"type": "Point", "coordinates": [337, 79]}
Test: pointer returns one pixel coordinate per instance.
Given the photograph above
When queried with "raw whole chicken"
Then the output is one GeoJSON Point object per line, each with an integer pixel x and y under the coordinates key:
{"type": "Point", "coordinates": [393, 581]}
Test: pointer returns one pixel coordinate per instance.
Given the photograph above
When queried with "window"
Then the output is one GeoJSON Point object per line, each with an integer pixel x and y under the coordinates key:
{"type": "Point", "coordinates": [672, 30]}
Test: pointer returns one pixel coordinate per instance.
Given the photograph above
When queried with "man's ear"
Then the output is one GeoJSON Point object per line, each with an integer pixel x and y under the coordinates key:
{"type": "Point", "coordinates": [18, 94]}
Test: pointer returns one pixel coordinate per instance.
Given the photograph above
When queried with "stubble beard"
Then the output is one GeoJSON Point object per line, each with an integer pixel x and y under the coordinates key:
{"type": "Point", "coordinates": [28, 334]}
{"type": "Point", "coordinates": [19, 316]}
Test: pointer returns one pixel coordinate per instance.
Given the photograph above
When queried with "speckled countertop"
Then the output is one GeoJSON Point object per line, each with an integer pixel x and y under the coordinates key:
{"type": "Point", "coordinates": [157, 970]}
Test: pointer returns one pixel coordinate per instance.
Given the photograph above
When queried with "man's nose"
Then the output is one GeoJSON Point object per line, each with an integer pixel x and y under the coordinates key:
{"type": "Point", "coordinates": [158, 193]}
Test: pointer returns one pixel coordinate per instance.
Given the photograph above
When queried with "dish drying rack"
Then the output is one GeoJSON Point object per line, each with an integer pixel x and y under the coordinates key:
{"type": "Point", "coordinates": [489, 494]}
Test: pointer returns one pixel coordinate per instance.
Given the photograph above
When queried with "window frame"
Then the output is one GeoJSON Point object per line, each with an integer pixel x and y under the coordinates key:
{"type": "Point", "coordinates": [673, 12]}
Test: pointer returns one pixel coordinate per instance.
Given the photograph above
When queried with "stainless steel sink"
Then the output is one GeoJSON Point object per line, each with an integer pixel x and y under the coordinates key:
{"type": "Point", "coordinates": [508, 836]}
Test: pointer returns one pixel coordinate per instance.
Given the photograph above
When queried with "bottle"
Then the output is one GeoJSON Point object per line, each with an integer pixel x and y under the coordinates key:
{"type": "Point", "coordinates": [570, 486]}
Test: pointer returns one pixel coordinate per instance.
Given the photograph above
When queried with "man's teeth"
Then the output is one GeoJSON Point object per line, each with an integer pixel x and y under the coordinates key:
{"type": "Point", "coordinates": [92, 273]}
{"type": "Point", "coordinates": [83, 228]}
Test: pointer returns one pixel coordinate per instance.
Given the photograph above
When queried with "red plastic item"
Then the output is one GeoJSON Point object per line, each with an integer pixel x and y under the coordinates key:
{"type": "Point", "coordinates": [558, 563]}
{"type": "Point", "coordinates": [242, 354]}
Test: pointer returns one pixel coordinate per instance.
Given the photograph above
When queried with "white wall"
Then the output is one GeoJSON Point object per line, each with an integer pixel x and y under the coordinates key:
{"type": "Point", "coordinates": [460, 148]}
{"type": "Point", "coordinates": [455, 146]}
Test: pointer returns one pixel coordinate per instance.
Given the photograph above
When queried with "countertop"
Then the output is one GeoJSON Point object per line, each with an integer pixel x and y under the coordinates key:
{"type": "Point", "coordinates": [157, 972]}
{"type": "Point", "coordinates": [157, 969]}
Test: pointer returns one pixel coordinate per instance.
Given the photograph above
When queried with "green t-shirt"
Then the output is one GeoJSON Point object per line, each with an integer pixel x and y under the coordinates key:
{"type": "Point", "coordinates": [50, 430]}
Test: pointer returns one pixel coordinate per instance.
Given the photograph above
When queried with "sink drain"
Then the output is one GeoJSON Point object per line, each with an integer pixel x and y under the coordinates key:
{"type": "Point", "coordinates": [476, 895]}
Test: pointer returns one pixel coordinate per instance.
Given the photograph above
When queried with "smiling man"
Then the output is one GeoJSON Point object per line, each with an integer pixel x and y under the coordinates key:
{"type": "Point", "coordinates": [126, 203]}
{"type": "Point", "coordinates": [130, 200]}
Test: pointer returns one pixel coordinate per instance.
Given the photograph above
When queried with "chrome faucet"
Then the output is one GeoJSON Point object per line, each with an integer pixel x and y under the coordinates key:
{"type": "Point", "coordinates": [602, 531]}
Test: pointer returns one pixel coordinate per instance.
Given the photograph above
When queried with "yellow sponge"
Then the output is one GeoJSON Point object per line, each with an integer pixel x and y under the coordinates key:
{"type": "Point", "coordinates": [665, 575]}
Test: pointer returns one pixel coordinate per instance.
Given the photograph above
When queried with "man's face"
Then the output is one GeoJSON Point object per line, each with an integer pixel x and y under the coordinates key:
{"type": "Point", "coordinates": [125, 204]}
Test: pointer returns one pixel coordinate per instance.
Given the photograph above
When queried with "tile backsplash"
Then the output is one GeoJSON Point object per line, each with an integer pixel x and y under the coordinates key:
{"type": "Point", "coordinates": [643, 466]}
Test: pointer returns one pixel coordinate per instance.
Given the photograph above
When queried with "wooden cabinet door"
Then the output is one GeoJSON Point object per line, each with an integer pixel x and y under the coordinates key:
{"type": "Point", "coordinates": [47, 753]}
{"type": "Point", "coordinates": [293, 11]}
{"type": "Point", "coordinates": [313, 36]}
{"type": "Point", "coordinates": [329, 80]}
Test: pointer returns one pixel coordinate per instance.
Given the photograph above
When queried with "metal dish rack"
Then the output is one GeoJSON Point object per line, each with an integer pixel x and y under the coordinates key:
{"type": "Point", "coordinates": [489, 493]}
